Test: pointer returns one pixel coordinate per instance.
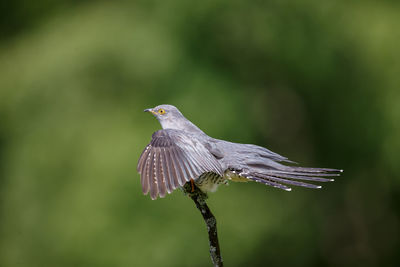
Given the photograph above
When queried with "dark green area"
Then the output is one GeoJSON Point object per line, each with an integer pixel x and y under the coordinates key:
{"type": "Point", "coordinates": [316, 81]}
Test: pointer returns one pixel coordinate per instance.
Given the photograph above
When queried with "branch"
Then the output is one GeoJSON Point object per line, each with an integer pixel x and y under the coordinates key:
{"type": "Point", "coordinates": [199, 199]}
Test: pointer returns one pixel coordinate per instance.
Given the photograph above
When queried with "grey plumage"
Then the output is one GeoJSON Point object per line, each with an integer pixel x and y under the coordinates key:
{"type": "Point", "coordinates": [181, 152]}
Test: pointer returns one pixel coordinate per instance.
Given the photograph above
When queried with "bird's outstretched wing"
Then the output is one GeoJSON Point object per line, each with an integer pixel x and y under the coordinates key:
{"type": "Point", "coordinates": [171, 159]}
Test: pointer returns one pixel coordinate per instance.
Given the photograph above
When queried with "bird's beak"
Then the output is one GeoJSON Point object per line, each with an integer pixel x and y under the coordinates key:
{"type": "Point", "coordinates": [150, 110]}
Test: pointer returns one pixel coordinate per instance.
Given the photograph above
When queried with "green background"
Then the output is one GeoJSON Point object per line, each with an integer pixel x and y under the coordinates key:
{"type": "Point", "coordinates": [316, 81]}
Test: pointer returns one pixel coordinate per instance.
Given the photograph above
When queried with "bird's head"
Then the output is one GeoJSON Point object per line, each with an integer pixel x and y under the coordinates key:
{"type": "Point", "coordinates": [168, 116]}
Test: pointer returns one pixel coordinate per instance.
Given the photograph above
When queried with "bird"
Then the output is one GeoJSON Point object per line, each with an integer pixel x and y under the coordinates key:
{"type": "Point", "coordinates": [181, 152]}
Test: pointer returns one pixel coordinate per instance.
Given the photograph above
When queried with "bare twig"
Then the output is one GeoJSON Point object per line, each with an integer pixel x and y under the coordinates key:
{"type": "Point", "coordinates": [199, 199]}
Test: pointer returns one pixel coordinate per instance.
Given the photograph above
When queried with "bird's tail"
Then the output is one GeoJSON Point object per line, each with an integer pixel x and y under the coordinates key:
{"type": "Point", "coordinates": [286, 176]}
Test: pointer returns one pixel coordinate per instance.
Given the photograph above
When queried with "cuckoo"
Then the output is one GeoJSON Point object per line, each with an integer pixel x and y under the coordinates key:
{"type": "Point", "coordinates": [181, 153]}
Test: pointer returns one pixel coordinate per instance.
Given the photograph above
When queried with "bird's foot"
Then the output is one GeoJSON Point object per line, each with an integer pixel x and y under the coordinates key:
{"type": "Point", "coordinates": [190, 189]}
{"type": "Point", "coordinates": [192, 184]}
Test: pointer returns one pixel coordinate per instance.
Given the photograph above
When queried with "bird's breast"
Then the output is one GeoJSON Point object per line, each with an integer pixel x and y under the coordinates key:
{"type": "Point", "coordinates": [209, 181]}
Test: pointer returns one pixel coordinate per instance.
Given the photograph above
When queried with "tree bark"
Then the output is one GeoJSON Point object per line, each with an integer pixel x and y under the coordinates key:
{"type": "Point", "coordinates": [199, 199]}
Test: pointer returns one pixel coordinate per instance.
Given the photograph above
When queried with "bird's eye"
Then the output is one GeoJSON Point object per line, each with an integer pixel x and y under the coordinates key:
{"type": "Point", "coordinates": [161, 111]}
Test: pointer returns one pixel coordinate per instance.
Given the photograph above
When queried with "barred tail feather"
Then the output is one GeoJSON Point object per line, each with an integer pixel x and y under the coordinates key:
{"type": "Point", "coordinates": [268, 182]}
{"type": "Point", "coordinates": [290, 176]}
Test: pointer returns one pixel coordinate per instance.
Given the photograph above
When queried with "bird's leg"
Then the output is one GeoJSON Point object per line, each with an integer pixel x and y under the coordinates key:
{"type": "Point", "coordinates": [199, 199]}
{"type": "Point", "coordinates": [192, 184]}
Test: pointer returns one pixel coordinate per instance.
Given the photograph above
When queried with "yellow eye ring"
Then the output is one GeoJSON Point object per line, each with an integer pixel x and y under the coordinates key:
{"type": "Point", "coordinates": [161, 111]}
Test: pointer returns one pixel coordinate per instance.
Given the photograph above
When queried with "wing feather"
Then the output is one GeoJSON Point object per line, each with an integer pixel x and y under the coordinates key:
{"type": "Point", "coordinates": [178, 167]}
{"type": "Point", "coordinates": [188, 165]}
{"type": "Point", "coordinates": [159, 174]}
{"type": "Point", "coordinates": [195, 167]}
{"type": "Point", "coordinates": [171, 159]}
{"type": "Point", "coordinates": [142, 159]}
{"type": "Point", "coordinates": [152, 178]}
{"type": "Point", "coordinates": [145, 176]}
{"type": "Point", "coordinates": [175, 172]}
{"type": "Point", "coordinates": [166, 171]}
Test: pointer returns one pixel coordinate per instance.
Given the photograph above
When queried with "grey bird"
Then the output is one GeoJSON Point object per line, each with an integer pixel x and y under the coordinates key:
{"type": "Point", "coordinates": [181, 153]}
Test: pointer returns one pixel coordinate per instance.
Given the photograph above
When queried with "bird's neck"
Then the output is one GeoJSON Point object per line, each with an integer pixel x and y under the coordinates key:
{"type": "Point", "coordinates": [181, 124]}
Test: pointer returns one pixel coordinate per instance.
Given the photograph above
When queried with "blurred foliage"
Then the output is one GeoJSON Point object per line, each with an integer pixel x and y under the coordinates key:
{"type": "Point", "coordinates": [316, 81]}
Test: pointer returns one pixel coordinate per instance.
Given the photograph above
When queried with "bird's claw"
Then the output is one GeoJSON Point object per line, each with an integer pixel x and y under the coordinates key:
{"type": "Point", "coordinates": [192, 184]}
